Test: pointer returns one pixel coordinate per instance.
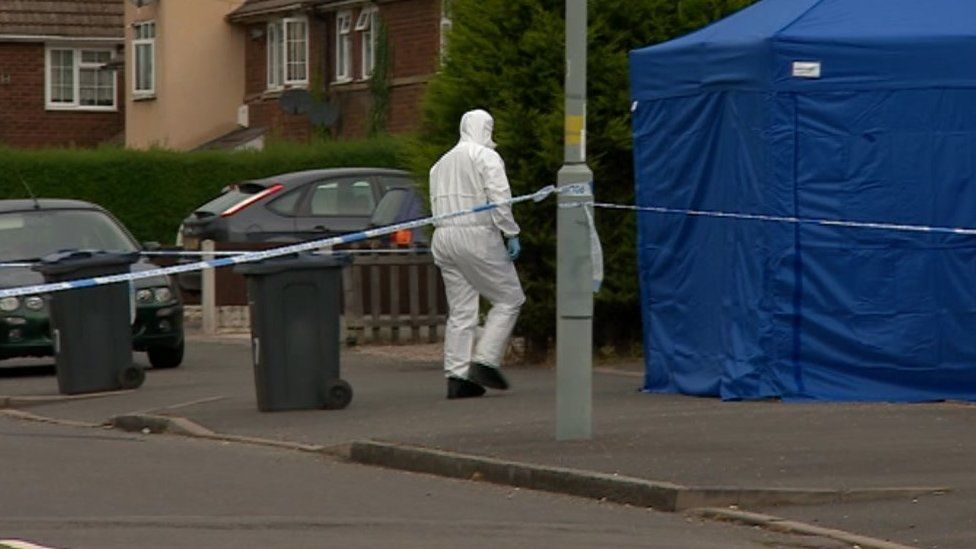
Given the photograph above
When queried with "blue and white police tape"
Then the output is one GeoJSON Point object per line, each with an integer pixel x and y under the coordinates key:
{"type": "Point", "coordinates": [900, 227]}
{"type": "Point", "coordinates": [223, 253]}
{"type": "Point", "coordinates": [249, 257]}
{"type": "Point", "coordinates": [584, 191]}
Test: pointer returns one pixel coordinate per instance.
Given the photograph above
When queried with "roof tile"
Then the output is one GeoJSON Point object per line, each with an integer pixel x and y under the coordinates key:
{"type": "Point", "coordinates": [68, 18]}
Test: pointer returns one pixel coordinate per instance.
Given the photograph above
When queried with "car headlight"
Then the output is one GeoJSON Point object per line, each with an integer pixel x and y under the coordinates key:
{"type": "Point", "coordinates": [9, 304]}
{"type": "Point", "coordinates": [163, 295]}
{"type": "Point", "coordinates": [144, 295]}
{"type": "Point", "coordinates": [34, 303]}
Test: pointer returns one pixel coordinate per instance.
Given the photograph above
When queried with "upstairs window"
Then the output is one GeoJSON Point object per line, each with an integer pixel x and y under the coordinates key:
{"type": "Point", "coordinates": [144, 59]}
{"type": "Point", "coordinates": [276, 49]}
{"type": "Point", "coordinates": [77, 78]}
{"type": "Point", "coordinates": [287, 45]}
{"type": "Point", "coordinates": [296, 54]}
{"type": "Point", "coordinates": [343, 63]}
{"type": "Point", "coordinates": [367, 24]}
{"type": "Point", "coordinates": [446, 26]}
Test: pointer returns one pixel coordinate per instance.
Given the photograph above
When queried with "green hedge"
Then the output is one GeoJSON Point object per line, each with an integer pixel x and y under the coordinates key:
{"type": "Point", "coordinates": [152, 191]}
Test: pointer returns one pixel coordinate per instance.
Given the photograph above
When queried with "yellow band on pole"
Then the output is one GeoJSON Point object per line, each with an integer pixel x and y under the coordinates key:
{"type": "Point", "coordinates": [574, 129]}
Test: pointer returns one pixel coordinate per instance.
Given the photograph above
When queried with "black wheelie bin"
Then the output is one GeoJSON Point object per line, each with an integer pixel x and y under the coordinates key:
{"type": "Point", "coordinates": [294, 304]}
{"type": "Point", "coordinates": [91, 327]}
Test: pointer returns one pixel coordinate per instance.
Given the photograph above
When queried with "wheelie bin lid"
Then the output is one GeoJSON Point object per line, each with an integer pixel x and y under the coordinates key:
{"type": "Point", "coordinates": [68, 261]}
{"type": "Point", "coordinates": [293, 262]}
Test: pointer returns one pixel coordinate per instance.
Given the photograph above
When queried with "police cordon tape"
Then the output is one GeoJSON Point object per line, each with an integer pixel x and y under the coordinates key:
{"type": "Point", "coordinates": [222, 253]}
{"type": "Point", "coordinates": [582, 189]}
{"type": "Point", "coordinates": [579, 190]}
{"type": "Point", "coordinates": [790, 219]}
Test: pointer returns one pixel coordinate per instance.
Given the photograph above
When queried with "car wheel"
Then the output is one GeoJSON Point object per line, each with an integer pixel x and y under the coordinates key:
{"type": "Point", "coordinates": [165, 357]}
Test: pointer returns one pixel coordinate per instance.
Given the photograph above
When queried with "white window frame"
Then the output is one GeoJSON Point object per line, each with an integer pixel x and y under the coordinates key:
{"type": "Point", "coordinates": [278, 36]}
{"type": "Point", "coordinates": [343, 61]}
{"type": "Point", "coordinates": [275, 46]}
{"type": "Point", "coordinates": [366, 25]}
{"type": "Point", "coordinates": [285, 61]}
{"type": "Point", "coordinates": [138, 92]}
{"type": "Point", "coordinates": [447, 23]}
{"type": "Point", "coordinates": [76, 66]}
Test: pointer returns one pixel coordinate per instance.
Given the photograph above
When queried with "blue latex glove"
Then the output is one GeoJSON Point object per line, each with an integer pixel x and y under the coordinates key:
{"type": "Point", "coordinates": [514, 247]}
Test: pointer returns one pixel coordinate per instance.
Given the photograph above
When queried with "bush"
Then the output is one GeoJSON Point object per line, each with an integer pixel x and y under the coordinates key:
{"type": "Point", "coordinates": [507, 56]}
{"type": "Point", "coordinates": [152, 191]}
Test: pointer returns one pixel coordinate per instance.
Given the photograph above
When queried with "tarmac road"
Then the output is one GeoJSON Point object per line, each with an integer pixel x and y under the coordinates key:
{"type": "Point", "coordinates": [692, 441]}
{"type": "Point", "coordinates": [74, 487]}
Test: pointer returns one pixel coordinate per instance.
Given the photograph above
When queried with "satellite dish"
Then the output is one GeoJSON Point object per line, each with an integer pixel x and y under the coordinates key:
{"type": "Point", "coordinates": [323, 115]}
{"type": "Point", "coordinates": [295, 101]}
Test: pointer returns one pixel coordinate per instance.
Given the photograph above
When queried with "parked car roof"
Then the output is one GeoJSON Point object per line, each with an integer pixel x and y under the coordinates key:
{"type": "Point", "coordinates": [19, 205]}
{"type": "Point", "coordinates": [297, 178]}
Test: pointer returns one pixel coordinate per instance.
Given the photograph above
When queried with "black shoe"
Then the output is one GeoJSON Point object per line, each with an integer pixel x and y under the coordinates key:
{"type": "Point", "coordinates": [488, 376]}
{"type": "Point", "coordinates": [462, 388]}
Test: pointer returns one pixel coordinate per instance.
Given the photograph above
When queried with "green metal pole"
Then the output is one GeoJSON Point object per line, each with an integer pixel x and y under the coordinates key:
{"type": "Point", "coordinates": [574, 272]}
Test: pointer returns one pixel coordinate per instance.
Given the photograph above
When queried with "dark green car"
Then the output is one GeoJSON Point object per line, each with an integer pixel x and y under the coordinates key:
{"type": "Point", "coordinates": [30, 230]}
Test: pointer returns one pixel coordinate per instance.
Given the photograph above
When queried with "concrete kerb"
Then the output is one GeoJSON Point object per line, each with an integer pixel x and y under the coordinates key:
{"type": "Point", "coordinates": [27, 416]}
{"type": "Point", "coordinates": [7, 402]}
{"type": "Point", "coordinates": [159, 424]}
{"type": "Point", "coordinates": [708, 503]}
{"type": "Point", "coordinates": [785, 526]}
{"type": "Point", "coordinates": [662, 496]}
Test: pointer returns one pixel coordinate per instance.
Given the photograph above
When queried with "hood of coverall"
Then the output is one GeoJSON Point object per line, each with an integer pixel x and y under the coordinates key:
{"type": "Point", "coordinates": [477, 127]}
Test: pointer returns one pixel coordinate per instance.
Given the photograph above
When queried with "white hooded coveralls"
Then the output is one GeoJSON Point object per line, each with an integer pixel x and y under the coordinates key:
{"type": "Point", "coordinates": [469, 249]}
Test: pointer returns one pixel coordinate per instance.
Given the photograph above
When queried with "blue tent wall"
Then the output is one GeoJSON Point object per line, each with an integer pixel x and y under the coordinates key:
{"type": "Point", "coordinates": [751, 309]}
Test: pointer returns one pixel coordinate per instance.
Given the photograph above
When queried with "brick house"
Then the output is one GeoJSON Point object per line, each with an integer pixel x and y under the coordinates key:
{"type": "Point", "coordinates": [185, 63]}
{"type": "Point", "coordinates": [59, 83]}
{"type": "Point", "coordinates": [330, 47]}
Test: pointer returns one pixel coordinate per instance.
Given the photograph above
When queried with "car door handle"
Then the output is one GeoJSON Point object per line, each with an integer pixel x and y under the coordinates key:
{"type": "Point", "coordinates": [320, 228]}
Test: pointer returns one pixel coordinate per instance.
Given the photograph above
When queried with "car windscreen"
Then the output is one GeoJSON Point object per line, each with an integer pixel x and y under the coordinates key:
{"type": "Point", "coordinates": [35, 234]}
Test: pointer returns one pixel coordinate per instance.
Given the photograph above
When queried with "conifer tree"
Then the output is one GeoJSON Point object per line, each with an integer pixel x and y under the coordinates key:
{"type": "Point", "coordinates": [507, 57]}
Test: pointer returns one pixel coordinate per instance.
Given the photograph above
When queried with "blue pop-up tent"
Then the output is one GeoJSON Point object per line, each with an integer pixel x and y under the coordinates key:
{"type": "Point", "coordinates": [860, 110]}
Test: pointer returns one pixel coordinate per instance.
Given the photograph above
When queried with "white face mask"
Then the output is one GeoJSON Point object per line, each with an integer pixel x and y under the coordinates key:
{"type": "Point", "coordinates": [489, 142]}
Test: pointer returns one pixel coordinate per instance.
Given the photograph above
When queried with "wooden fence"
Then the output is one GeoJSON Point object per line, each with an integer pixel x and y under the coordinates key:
{"type": "Point", "coordinates": [386, 297]}
{"type": "Point", "coordinates": [401, 294]}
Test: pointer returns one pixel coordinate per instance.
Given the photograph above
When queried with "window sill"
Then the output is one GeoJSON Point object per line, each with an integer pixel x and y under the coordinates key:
{"type": "Point", "coordinates": [350, 85]}
{"type": "Point", "coordinates": [271, 93]}
{"type": "Point", "coordinates": [144, 97]}
{"type": "Point", "coordinates": [57, 108]}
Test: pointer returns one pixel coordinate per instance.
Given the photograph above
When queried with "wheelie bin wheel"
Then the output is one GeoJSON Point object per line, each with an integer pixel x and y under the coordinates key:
{"type": "Point", "coordinates": [132, 377]}
{"type": "Point", "coordinates": [338, 395]}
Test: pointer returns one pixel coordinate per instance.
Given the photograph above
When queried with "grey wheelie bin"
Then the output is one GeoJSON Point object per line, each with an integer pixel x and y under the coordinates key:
{"type": "Point", "coordinates": [294, 304]}
{"type": "Point", "coordinates": [91, 327]}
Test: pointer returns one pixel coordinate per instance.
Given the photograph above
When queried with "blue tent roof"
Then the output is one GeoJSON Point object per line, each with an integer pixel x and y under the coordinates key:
{"type": "Point", "coordinates": [855, 44]}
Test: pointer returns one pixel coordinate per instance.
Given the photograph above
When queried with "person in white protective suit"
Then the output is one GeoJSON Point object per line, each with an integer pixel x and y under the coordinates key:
{"type": "Point", "coordinates": [473, 259]}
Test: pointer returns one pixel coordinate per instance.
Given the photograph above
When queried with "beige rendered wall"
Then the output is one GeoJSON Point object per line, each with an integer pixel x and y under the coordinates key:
{"type": "Point", "coordinates": [199, 74]}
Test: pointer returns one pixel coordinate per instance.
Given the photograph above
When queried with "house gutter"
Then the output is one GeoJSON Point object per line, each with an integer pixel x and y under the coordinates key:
{"type": "Point", "coordinates": [56, 38]}
{"type": "Point", "coordinates": [323, 6]}
{"type": "Point", "coordinates": [335, 6]}
{"type": "Point", "coordinates": [251, 15]}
